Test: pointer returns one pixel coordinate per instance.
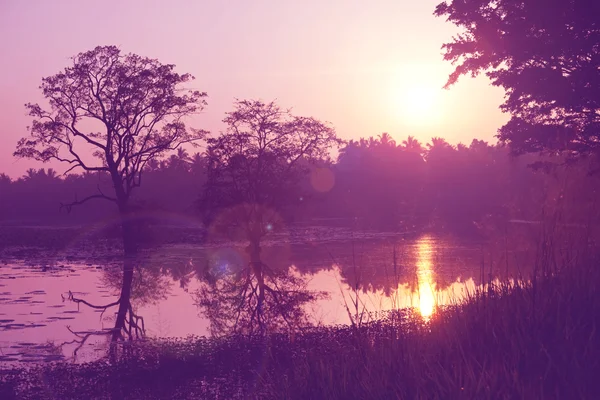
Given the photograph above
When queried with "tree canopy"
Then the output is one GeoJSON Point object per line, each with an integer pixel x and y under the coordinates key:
{"type": "Point", "coordinates": [124, 110]}
{"type": "Point", "coordinates": [545, 55]}
{"type": "Point", "coordinates": [257, 164]}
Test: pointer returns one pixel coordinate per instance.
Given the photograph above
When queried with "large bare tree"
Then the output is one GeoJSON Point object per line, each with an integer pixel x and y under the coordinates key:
{"type": "Point", "coordinates": [113, 113]}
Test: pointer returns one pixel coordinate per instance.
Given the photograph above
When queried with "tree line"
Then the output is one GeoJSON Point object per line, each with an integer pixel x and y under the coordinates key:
{"type": "Point", "coordinates": [375, 182]}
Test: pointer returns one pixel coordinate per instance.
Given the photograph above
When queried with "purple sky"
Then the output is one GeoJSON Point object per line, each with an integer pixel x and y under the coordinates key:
{"type": "Point", "coordinates": [366, 67]}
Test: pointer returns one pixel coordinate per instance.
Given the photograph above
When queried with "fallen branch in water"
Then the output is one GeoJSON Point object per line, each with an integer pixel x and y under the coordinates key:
{"type": "Point", "coordinates": [78, 301]}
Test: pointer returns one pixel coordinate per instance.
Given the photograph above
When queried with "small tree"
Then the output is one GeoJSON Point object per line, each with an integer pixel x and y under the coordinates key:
{"type": "Point", "coordinates": [113, 113]}
{"type": "Point", "coordinates": [260, 161]}
{"type": "Point", "coordinates": [546, 56]}
{"type": "Point", "coordinates": [255, 169]}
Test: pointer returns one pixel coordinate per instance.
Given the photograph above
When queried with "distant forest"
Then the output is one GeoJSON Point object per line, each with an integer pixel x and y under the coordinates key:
{"type": "Point", "coordinates": [375, 183]}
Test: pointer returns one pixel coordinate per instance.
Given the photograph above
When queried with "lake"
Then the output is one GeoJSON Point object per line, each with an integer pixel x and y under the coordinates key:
{"type": "Point", "coordinates": [356, 273]}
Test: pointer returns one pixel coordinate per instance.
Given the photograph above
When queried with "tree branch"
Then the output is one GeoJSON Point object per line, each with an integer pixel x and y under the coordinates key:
{"type": "Point", "coordinates": [78, 301]}
{"type": "Point", "coordinates": [70, 206]}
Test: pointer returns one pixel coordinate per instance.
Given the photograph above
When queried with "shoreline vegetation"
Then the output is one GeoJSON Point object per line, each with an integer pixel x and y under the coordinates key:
{"type": "Point", "coordinates": [534, 339]}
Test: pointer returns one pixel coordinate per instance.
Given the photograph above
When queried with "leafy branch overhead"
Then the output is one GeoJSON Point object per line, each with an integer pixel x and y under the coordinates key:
{"type": "Point", "coordinates": [114, 113]}
{"type": "Point", "coordinates": [545, 55]}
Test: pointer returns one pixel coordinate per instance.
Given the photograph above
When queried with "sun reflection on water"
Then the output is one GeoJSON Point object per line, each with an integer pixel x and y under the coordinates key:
{"type": "Point", "coordinates": [426, 285]}
{"type": "Point", "coordinates": [423, 287]}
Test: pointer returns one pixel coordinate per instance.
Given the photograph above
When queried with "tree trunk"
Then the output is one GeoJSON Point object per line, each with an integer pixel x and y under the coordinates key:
{"type": "Point", "coordinates": [129, 260]}
{"type": "Point", "coordinates": [257, 269]}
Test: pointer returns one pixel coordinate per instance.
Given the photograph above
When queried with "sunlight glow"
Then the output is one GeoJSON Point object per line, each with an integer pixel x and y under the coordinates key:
{"type": "Point", "coordinates": [416, 95]}
{"type": "Point", "coordinates": [426, 287]}
{"type": "Point", "coordinates": [419, 105]}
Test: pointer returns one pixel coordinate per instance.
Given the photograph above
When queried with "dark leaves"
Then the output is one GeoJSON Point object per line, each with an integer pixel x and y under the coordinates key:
{"type": "Point", "coordinates": [135, 104]}
{"type": "Point", "coordinates": [262, 155]}
{"type": "Point", "coordinates": [546, 55]}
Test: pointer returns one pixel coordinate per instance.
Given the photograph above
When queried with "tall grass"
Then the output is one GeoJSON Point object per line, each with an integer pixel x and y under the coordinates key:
{"type": "Point", "coordinates": [519, 340]}
{"type": "Point", "coordinates": [534, 338]}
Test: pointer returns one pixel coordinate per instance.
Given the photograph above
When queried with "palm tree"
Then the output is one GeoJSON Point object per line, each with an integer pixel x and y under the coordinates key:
{"type": "Point", "coordinates": [438, 142]}
{"type": "Point", "coordinates": [386, 140]}
{"type": "Point", "coordinates": [51, 173]}
{"type": "Point", "coordinates": [4, 179]}
{"type": "Point", "coordinates": [372, 142]}
{"type": "Point", "coordinates": [412, 145]}
{"type": "Point", "coordinates": [31, 173]}
{"type": "Point", "coordinates": [198, 163]}
{"type": "Point", "coordinates": [153, 165]}
{"type": "Point", "coordinates": [183, 155]}
{"type": "Point", "coordinates": [173, 161]}
{"type": "Point", "coordinates": [181, 160]}
{"type": "Point", "coordinates": [40, 175]}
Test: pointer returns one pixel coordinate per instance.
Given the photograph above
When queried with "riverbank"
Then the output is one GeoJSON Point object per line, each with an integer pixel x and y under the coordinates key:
{"type": "Point", "coordinates": [534, 340]}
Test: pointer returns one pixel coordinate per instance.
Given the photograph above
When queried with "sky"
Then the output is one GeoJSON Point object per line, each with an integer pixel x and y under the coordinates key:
{"type": "Point", "coordinates": [365, 67]}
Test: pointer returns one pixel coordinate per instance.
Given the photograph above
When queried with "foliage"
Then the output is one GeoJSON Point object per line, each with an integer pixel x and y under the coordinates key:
{"type": "Point", "coordinates": [261, 158]}
{"type": "Point", "coordinates": [125, 110]}
{"type": "Point", "coordinates": [374, 185]}
{"type": "Point", "coordinates": [380, 180]}
{"type": "Point", "coordinates": [410, 184]}
{"type": "Point", "coordinates": [545, 55]}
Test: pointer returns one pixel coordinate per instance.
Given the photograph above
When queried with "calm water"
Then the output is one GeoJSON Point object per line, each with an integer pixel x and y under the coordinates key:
{"type": "Point", "coordinates": [358, 271]}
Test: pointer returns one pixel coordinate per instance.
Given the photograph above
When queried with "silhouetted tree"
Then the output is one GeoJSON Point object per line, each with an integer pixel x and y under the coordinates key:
{"type": "Point", "coordinates": [386, 140]}
{"type": "Point", "coordinates": [379, 181]}
{"type": "Point", "coordinates": [255, 169]}
{"type": "Point", "coordinates": [125, 110]}
{"type": "Point", "coordinates": [438, 143]}
{"type": "Point", "coordinates": [5, 180]}
{"type": "Point", "coordinates": [5, 186]}
{"type": "Point", "coordinates": [413, 145]}
{"type": "Point", "coordinates": [546, 56]}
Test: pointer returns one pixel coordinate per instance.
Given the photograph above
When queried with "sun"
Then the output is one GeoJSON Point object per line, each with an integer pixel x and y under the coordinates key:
{"type": "Point", "coordinates": [419, 104]}
{"type": "Point", "coordinates": [419, 101]}
{"type": "Point", "coordinates": [416, 95]}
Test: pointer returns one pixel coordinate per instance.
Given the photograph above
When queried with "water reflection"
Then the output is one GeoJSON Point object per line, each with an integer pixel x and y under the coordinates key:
{"type": "Point", "coordinates": [426, 284]}
{"type": "Point", "coordinates": [373, 272]}
{"type": "Point", "coordinates": [423, 278]}
{"type": "Point", "coordinates": [251, 300]}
